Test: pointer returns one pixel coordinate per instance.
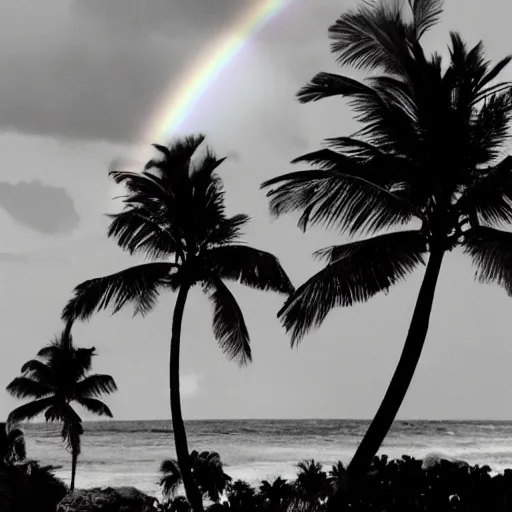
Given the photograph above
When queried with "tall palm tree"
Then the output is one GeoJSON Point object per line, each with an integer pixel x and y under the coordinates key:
{"type": "Point", "coordinates": [59, 377]}
{"type": "Point", "coordinates": [207, 471]}
{"type": "Point", "coordinates": [174, 214]}
{"type": "Point", "coordinates": [430, 151]}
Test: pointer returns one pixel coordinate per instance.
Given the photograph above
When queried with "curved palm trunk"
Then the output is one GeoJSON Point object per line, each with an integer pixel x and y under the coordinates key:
{"type": "Point", "coordinates": [403, 374]}
{"type": "Point", "coordinates": [180, 436]}
{"type": "Point", "coordinates": [74, 459]}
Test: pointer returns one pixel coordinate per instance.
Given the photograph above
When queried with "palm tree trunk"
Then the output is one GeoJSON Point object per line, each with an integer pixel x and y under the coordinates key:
{"type": "Point", "coordinates": [74, 458]}
{"type": "Point", "coordinates": [180, 436]}
{"type": "Point", "coordinates": [403, 374]}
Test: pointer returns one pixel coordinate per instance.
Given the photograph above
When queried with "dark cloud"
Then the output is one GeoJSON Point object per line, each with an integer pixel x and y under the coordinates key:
{"type": "Point", "coordinates": [97, 69]}
{"type": "Point", "coordinates": [43, 208]}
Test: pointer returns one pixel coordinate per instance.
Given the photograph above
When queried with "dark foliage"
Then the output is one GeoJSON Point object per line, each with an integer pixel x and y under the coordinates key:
{"type": "Point", "coordinates": [207, 471]}
{"type": "Point", "coordinates": [12, 445]}
{"type": "Point", "coordinates": [430, 149]}
{"type": "Point", "coordinates": [175, 215]}
{"type": "Point", "coordinates": [402, 485]}
{"type": "Point", "coordinates": [59, 377]}
{"type": "Point", "coordinates": [30, 487]}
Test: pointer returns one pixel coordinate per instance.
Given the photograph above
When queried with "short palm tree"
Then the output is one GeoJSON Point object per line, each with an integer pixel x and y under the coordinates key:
{"type": "Point", "coordinates": [207, 471]}
{"type": "Point", "coordinates": [276, 496]}
{"type": "Point", "coordinates": [174, 214]}
{"type": "Point", "coordinates": [311, 486]}
{"type": "Point", "coordinates": [430, 151]}
{"type": "Point", "coordinates": [12, 445]}
{"type": "Point", "coordinates": [242, 497]}
{"type": "Point", "coordinates": [58, 378]}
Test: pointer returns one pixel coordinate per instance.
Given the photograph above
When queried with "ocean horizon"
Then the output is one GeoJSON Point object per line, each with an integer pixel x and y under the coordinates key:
{"type": "Point", "coordinates": [124, 452]}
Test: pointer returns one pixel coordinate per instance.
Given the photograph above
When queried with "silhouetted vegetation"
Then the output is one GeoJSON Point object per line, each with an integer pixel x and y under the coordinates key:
{"type": "Point", "coordinates": [399, 485]}
{"type": "Point", "coordinates": [424, 175]}
{"type": "Point", "coordinates": [175, 215]}
{"type": "Point", "coordinates": [207, 472]}
{"type": "Point", "coordinates": [60, 376]}
{"type": "Point", "coordinates": [24, 484]}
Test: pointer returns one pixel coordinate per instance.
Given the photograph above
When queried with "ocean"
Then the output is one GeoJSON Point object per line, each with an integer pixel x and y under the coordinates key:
{"type": "Point", "coordinates": [118, 453]}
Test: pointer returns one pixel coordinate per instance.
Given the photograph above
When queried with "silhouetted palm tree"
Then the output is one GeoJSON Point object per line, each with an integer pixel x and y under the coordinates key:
{"type": "Point", "coordinates": [311, 486]}
{"type": "Point", "coordinates": [430, 151]}
{"type": "Point", "coordinates": [241, 497]}
{"type": "Point", "coordinates": [207, 471]}
{"type": "Point", "coordinates": [275, 496]}
{"type": "Point", "coordinates": [12, 445]}
{"type": "Point", "coordinates": [337, 476]}
{"type": "Point", "coordinates": [58, 378]}
{"type": "Point", "coordinates": [174, 213]}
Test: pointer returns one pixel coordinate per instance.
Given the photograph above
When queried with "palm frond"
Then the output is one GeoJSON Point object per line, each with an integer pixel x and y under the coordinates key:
{"type": "Point", "coordinates": [490, 130]}
{"type": "Point", "coordinates": [490, 195]}
{"type": "Point", "coordinates": [494, 72]}
{"type": "Point", "coordinates": [95, 385]}
{"type": "Point", "coordinates": [136, 230]}
{"type": "Point", "coordinates": [352, 147]}
{"type": "Point", "coordinates": [426, 15]}
{"type": "Point", "coordinates": [38, 371]}
{"type": "Point", "coordinates": [169, 466]}
{"type": "Point", "coordinates": [30, 410]}
{"type": "Point", "coordinates": [373, 36]}
{"type": "Point", "coordinates": [349, 200]}
{"type": "Point", "coordinates": [179, 153]}
{"type": "Point", "coordinates": [354, 273]}
{"type": "Point", "coordinates": [387, 109]}
{"type": "Point", "coordinates": [171, 478]}
{"type": "Point", "coordinates": [139, 285]}
{"type": "Point", "coordinates": [228, 322]}
{"type": "Point", "coordinates": [227, 231]}
{"type": "Point", "coordinates": [249, 266]}
{"type": "Point", "coordinates": [142, 187]}
{"type": "Point", "coordinates": [95, 406]}
{"type": "Point", "coordinates": [491, 252]}
{"type": "Point", "coordinates": [25, 387]}
{"type": "Point", "coordinates": [62, 411]}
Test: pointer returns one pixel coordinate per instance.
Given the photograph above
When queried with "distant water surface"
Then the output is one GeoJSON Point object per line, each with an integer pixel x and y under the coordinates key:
{"type": "Point", "coordinates": [129, 452]}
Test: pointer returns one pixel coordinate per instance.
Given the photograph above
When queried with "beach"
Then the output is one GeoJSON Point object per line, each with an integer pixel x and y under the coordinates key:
{"type": "Point", "coordinates": [119, 453]}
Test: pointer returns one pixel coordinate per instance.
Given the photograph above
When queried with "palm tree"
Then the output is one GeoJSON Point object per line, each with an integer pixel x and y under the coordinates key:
{"type": "Point", "coordinates": [429, 151]}
{"type": "Point", "coordinates": [58, 378]}
{"type": "Point", "coordinates": [207, 471]}
{"type": "Point", "coordinates": [275, 496]}
{"type": "Point", "coordinates": [242, 497]}
{"type": "Point", "coordinates": [312, 486]}
{"type": "Point", "coordinates": [337, 476]}
{"type": "Point", "coordinates": [174, 214]}
{"type": "Point", "coordinates": [12, 445]}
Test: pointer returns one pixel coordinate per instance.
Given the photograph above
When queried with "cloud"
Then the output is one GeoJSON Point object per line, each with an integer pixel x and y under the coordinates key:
{"type": "Point", "coordinates": [43, 208]}
{"type": "Point", "coordinates": [189, 384]}
{"type": "Point", "coordinates": [97, 70]}
{"type": "Point", "coordinates": [11, 257]}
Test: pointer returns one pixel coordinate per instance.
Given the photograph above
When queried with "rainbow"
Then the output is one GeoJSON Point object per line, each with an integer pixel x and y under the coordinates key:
{"type": "Point", "coordinates": [178, 103]}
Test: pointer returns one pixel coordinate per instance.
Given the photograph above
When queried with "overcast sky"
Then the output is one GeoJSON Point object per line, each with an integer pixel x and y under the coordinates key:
{"type": "Point", "coordinates": [80, 80]}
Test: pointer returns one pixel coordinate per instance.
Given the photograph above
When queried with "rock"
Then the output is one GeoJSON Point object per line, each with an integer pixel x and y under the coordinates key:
{"type": "Point", "coordinates": [119, 499]}
{"type": "Point", "coordinates": [433, 460]}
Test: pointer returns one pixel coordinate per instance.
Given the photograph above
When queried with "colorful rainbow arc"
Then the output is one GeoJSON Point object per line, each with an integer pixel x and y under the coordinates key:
{"type": "Point", "coordinates": [179, 102]}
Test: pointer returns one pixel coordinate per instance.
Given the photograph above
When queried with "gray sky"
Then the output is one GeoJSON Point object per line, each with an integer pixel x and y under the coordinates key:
{"type": "Point", "coordinates": [80, 79]}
